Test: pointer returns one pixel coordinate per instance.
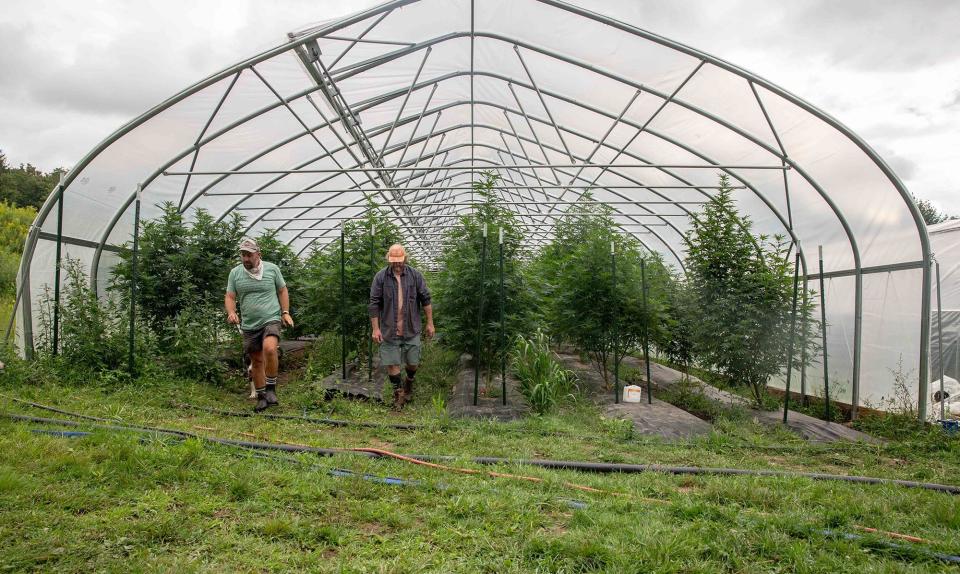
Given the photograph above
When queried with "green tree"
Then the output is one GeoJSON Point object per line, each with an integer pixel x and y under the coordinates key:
{"type": "Point", "coordinates": [26, 186]}
{"type": "Point", "coordinates": [742, 288]}
{"type": "Point", "coordinates": [179, 265]}
{"type": "Point", "coordinates": [458, 288]}
{"type": "Point", "coordinates": [602, 314]}
{"type": "Point", "coordinates": [680, 317]}
{"type": "Point", "coordinates": [931, 215]}
{"type": "Point", "coordinates": [320, 301]}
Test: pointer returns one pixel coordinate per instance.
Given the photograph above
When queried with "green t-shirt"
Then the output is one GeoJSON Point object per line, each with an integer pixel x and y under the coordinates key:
{"type": "Point", "coordinates": [257, 301]}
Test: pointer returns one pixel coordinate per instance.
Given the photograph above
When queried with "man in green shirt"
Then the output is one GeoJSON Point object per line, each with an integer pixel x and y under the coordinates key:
{"type": "Point", "coordinates": [261, 292]}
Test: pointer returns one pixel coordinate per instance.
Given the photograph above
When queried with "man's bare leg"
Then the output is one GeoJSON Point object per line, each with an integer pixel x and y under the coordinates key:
{"type": "Point", "coordinates": [259, 379]}
{"type": "Point", "coordinates": [271, 357]}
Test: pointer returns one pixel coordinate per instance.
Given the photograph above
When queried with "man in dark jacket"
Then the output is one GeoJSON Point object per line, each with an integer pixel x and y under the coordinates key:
{"type": "Point", "coordinates": [397, 293]}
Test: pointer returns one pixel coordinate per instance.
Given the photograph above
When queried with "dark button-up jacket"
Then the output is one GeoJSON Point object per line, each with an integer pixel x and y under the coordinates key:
{"type": "Point", "coordinates": [383, 301]}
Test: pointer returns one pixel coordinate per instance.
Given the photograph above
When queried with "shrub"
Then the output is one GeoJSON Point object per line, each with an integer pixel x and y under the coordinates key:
{"type": "Point", "coordinates": [94, 334]}
{"type": "Point", "coordinates": [324, 357]}
{"type": "Point", "coordinates": [543, 380]}
{"type": "Point", "coordinates": [582, 303]}
{"type": "Point", "coordinates": [742, 288]}
{"type": "Point", "coordinates": [190, 340]}
{"type": "Point", "coordinates": [458, 289]}
{"type": "Point", "coordinates": [179, 265]}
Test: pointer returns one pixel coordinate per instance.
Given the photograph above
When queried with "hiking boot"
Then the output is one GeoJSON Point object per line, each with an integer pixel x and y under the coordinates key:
{"type": "Point", "coordinates": [271, 396]}
{"type": "Point", "coordinates": [399, 399]}
{"type": "Point", "coordinates": [262, 403]}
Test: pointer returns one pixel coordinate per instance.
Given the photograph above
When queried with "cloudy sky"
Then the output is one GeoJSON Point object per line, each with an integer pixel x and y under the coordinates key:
{"type": "Point", "coordinates": [71, 72]}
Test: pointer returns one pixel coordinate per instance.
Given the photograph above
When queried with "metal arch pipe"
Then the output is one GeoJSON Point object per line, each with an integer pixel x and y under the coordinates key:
{"type": "Point", "coordinates": [669, 247]}
{"type": "Point", "coordinates": [694, 109]}
{"type": "Point", "coordinates": [266, 209]}
{"type": "Point", "coordinates": [398, 93]}
{"type": "Point", "coordinates": [666, 244]}
{"type": "Point", "coordinates": [786, 226]}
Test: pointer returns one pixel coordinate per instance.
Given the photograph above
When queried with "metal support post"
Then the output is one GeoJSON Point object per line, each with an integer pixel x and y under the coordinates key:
{"type": "Point", "coordinates": [940, 342]}
{"type": "Point", "coordinates": [646, 329]}
{"type": "Point", "coordinates": [56, 278]}
{"type": "Point", "coordinates": [823, 329]}
{"type": "Point", "coordinates": [343, 314]}
{"type": "Point", "coordinates": [373, 272]}
{"type": "Point", "coordinates": [133, 278]}
{"type": "Point", "coordinates": [793, 327]}
{"type": "Point", "coordinates": [613, 324]}
{"type": "Point", "coordinates": [804, 333]}
{"type": "Point", "coordinates": [503, 332]}
{"type": "Point", "coordinates": [476, 358]}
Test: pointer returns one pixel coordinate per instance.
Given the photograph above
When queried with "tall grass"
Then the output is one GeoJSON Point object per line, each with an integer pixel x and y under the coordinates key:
{"type": "Point", "coordinates": [543, 380]}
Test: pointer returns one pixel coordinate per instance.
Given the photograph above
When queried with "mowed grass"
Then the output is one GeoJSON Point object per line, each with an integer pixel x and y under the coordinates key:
{"type": "Point", "coordinates": [126, 501]}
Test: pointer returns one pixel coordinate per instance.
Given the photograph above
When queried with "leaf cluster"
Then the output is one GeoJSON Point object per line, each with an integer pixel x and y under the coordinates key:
{"type": "Point", "coordinates": [742, 290]}
{"type": "Point", "coordinates": [592, 286]}
{"type": "Point", "coordinates": [471, 271]}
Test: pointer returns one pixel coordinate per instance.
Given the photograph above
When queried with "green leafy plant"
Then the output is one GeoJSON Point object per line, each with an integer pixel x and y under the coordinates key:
{"type": "Point", "coordinates": [180, 264]}
{"type": "Point", "coordinates": [544, 382]}
{"type": "Point", "coordinates": [742, 287]}
{"type": "Point", "coordinates": [323, 357]}
{"type": "Point", "coordinates": [94, 334]}
{"type": "Point", "coordinates": [586, 302]}
{"type": "Point", "coordinates": [459, 288]}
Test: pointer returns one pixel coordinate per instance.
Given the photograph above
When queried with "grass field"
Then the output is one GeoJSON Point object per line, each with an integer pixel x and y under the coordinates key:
{"type": "Point", "coordinates": [127, 501]}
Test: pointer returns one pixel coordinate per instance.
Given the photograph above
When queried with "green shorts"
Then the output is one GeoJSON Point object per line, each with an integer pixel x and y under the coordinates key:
{"type": "Point", "coordinates": [403, 351]}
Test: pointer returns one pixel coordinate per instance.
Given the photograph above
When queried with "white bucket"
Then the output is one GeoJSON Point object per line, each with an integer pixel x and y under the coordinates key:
{"type": "Point", "coordinates": [632, 394]}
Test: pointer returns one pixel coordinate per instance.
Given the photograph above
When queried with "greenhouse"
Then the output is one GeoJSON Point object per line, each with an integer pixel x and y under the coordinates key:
{"type": "Point", "coordinates": [399, 108]}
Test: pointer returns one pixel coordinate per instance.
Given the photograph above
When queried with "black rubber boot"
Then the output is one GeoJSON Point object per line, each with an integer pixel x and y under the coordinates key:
{"type": "Point", "coordinates": [398, 397]}
{"type": "Point", "coordinates": [262, 403]}
{"type": "Point", "coordinates": [271, 396]}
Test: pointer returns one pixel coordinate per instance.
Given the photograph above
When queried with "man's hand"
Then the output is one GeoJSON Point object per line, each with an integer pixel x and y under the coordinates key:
{"type": "Point", "coordinates": [233, 319]}
{"type": "Point", "coordinates": [377, 336]}
{"type": "Point", "coordinates": [431, 330]}
{"type": "Point", "coordinates": [287, 319]}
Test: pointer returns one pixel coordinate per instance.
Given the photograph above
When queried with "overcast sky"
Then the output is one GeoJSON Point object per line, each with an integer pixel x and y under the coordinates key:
{"type": "Point", "coordinates": [71, 72]}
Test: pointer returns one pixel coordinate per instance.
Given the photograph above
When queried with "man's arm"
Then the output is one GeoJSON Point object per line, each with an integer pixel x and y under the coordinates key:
{"type": "Point", "coordinates": [423, 293]}
{"type": "Point", "coordinates": [431, 330]}
{"type": "Point", "coordinates": [230, 305]}
{"type": "Point", "coordinates": [284, 296]}
{"type": "Point", "coordinates": [373, 309]}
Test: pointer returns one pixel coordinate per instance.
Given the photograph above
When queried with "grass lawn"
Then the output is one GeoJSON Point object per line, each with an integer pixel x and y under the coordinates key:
{"type": "Point", "coordinates": [126, 501]}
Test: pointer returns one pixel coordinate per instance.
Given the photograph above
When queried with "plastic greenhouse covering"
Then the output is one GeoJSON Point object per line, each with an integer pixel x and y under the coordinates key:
{"type": "Point", "coordinates": [404, 103]}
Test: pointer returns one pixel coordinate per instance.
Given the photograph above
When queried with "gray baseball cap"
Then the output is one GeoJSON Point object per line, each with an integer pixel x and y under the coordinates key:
{"type": "Point", "coordinates": [247, 244]}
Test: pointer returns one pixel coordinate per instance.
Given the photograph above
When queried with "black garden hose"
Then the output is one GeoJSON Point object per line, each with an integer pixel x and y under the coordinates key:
{"type": "Point", "coordinates": [597, 467]}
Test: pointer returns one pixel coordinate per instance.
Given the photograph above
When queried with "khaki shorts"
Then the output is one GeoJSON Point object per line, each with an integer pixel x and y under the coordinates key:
{"type": "Point", "coordinates": [403, 351]}
{"type": "Point", "coordinates": [253, 340]}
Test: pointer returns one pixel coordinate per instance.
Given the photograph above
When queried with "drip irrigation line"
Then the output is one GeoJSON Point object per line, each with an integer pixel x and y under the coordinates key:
{"type": "Point", "coordinates": [597, 467]}
{"type": "Point", "coordinates": [948, 558]}
{"type": "Point", "coordinates": [329, 422]}
{"type": "Point", "coordinates": [56, 410]}
{"type": "Point", "coordinates": [413, 426]}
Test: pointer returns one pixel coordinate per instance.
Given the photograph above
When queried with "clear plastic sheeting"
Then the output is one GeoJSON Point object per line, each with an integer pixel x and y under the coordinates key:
{"type": "Point", "coordinates": [401, 105]}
